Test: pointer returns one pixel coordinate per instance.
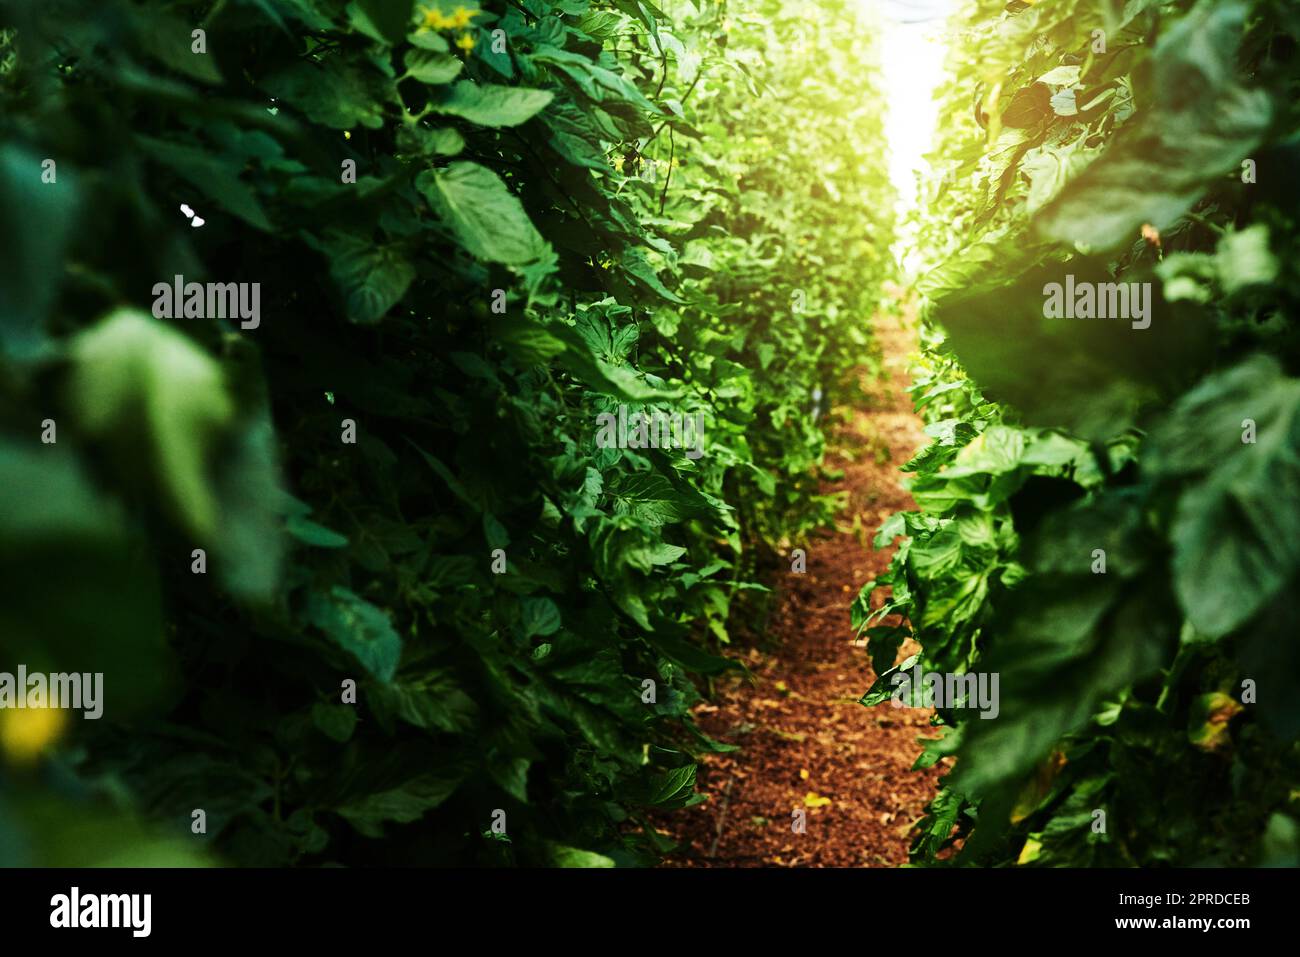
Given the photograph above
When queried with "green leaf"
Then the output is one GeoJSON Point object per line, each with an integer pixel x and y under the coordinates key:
{"type": "Point", "coordinates": [600, 84]}
{"type": "Point", "coordinates": [574, 137]}
{"type": "Point", "coordinates": [429, 66]}
{"type": "Point", "coordinates": [168, 38]}
{"type": "Point", "coordinates": [672, 789]}
{"type": "Point", "coordinates": [564, 856]}
{"type": "Point", "coordinates": [432, 701]}
{"type": "Point", "coordinates": [491, 105]}
{"type": "Point", "coordinates": [357, 627]}
{"type": "Point", "coordinates": [80, 592]}
{"type": "Point", "coordinates": [1090, 375]}
{"type": "Point", "coordinates": [383, 20]}
{"type": "Point", "coordinates": [248, 542]}
{"type": "Point", "coordinates": [1050, 169]}
{"type": "Point", "coordinates": [1155, 171]}
{"type": "Point", "coordinates": [1280, 843]}
{"type": "Point", "coordinates": [636, 264]}
{"type": "Point", "coordinates": [496, 534]}
{"type": "Point", "coordinates": [485, 216]}
{"type": "Point", "coordinates": [541, 617]}
{"type": "Point", "coordinates": [428, 40]}
{"type": "Point", "coordinates": [333, 93]}
{"type": "Point", "coordinates": [1062, 649]}
{"type": "Point", "coordinates": [1061, 76]}
{"type": "Point", "coordinates": [1243, 259]}
{"type": "Point", "coordinates": [213, 175]}
{"type": "Point", "coordinates": [34, 832]}
{"type": "Point", "coordinates": [138, 384]}
{"type": "Point", "coordinates": [35, 222]}
{"type": "Point", "coordinates": [372, 278]}
{"type": "Point", "coordinates": [1236, 531]}
{"type": "Point", "coordinates": [665, 554]}
{"type": "Point", "coordinates": [335, 721]}
{"type": "Point", "coordinates": [403, 804]}
{"type": "Point", "coordinates": [310, 533]}
{"type": "Point", "coordinates": [653, 499]}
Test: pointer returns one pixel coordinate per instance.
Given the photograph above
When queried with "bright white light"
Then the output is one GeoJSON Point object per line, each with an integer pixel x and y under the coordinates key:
{"type": "Point", "coordinates": [913, 45]}
{"type": "Point", "coordinates": [912, 63]}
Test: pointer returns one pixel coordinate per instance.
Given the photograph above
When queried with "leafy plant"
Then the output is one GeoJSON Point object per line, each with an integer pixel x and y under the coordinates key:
{"type": "Point", "coordinates": [1107, 514]}
{"type": "Point", "coordinates": [361, 583]}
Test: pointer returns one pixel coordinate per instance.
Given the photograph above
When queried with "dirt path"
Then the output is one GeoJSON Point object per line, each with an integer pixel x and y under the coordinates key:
{"type": "Point", "coordinates": [803, 736]}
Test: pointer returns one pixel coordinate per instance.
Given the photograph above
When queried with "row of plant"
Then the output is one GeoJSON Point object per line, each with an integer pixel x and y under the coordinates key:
{"type": "Point", "coordinates": [1108, 512]}
{"type": "Point", "coordinates": [362, 582]}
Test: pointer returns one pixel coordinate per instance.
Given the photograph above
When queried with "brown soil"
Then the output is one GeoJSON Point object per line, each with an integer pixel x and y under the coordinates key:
{"type": "Point", "coordinates": [803, 736]}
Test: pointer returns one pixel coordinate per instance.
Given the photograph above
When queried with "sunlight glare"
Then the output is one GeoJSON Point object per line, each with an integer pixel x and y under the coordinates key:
{"type": "Point", "coordinates": [913, 47]}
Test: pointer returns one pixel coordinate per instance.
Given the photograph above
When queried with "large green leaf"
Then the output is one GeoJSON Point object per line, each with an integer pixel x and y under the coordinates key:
{"type": "Point", "coordinates": [35, 220]}
{"type": "Point", "coordinates": [387, 20]}
{"type": "Point", "coordinates": [1060, 650]}
{"type": "Point", "coordinates": [653, 499]}
{"type": "Point", "coordinates": [140, 385]}
{"type": "Point", "coordinates": [402, 804]}
{"type": "Point", "coordinates": [485, 216]}
{"type": "Point", "coordinates": [78, 591]}
{"type": "Point", "coordinates": [1200, 125]}
{"type": "Point", "coordinates": [565, 856]}
{"type": "Point", "coordinates": [432, 701]}
{"type": "Point", "coordinates": [372, 278]}
{"type": "Point", "coordinates": [358, 627]}
{"type": "Point", "coordinates": [333, 93]}
{"type": "Point", "coordinates": [213, 175]}
{"type": "Point", "coordinates": [1236, 532]}
{"type": "Point", "coordinates": [1091, 375]}
{"type": "Point", "coordinates": [430, 66]}
{"type": "Point", "coordinates": [490, 105]}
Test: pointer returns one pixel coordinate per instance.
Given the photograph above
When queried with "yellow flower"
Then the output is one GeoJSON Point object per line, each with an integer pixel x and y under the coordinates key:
{"type": "Point", "coordinates": [465, 42]}
{"type": "Point", "coordinates": [460, 17]}
{"type": "Point", "coordinates": [618, 163]}
{"type": "Point", "coordinates": [434, 20]}
{"type": "Point", "coordinates": [26, 732]}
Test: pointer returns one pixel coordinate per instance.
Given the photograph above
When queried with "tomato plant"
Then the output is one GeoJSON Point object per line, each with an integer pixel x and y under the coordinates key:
{"type": "Point", "coordinates": [1107, 517]}
{"type": "Point", "coordinates": [362, 585]}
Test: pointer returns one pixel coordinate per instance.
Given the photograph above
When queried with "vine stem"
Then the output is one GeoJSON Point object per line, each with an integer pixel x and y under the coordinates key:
{"type": "Point", "coordinates": [672, 154]}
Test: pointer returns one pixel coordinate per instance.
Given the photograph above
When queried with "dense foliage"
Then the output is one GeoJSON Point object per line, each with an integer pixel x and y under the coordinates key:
{"type": "Point", "coordinates": [1109, 514]}
{"type": "Point", "coordinates": [392, 472]}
